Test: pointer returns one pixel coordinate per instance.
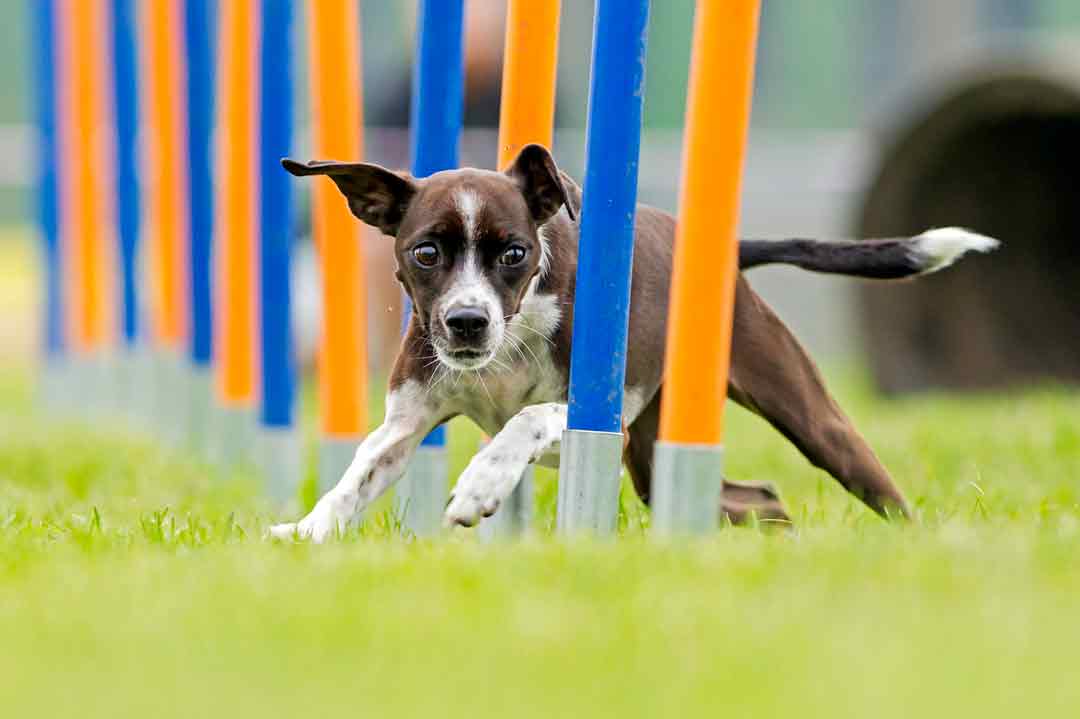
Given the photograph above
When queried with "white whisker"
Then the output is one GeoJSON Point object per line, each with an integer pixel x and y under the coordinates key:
{"type": "Point", "coordinates": [501, 365]}
{"type": "Point", "coordinates": [484, 385]}
{"type": "Point", "coordinates": [514, 342]}
{"type": "Point", "coordinates": [532, 352]}
{"type": "Point", "coordinates": [536, 332]}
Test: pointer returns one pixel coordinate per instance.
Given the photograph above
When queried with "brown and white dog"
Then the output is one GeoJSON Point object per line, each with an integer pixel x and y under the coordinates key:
{"type": "Point", "coordinates": [489, 260]}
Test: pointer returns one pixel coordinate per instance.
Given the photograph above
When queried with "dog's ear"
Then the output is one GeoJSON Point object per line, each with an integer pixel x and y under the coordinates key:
{"type": "Point", "coordinates": [535, 173]}
{"type": "Point", "coordinates": [376, 195]}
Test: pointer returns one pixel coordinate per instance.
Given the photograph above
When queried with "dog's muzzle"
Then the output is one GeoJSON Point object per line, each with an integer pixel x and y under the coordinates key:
{"type": "Point", "coordinates": [468, 338]}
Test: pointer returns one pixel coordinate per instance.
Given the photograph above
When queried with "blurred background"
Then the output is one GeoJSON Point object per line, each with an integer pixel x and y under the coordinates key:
{"type": "Point", "coordinates": [870, 117]}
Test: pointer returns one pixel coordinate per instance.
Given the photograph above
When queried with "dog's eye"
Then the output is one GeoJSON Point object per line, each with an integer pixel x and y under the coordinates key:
{"type": "Point", "coordinates": [427, 254]}
{"type": "Point", "coordinates": [512, 256]}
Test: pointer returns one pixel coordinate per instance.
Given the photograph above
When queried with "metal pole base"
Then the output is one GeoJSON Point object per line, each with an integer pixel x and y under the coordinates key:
{"type": "Point", "coordinates": [128, 389]}
{"type": "Point", "coordinates": [589, 471]}
{"type": "Point", "coordinates": [111, 381]}
{"type": "Point", "coordinates": [64, 387]}
{"type": "Point", "coordinates": [89, 387]}
{"type": "Point", "coordinates": [52, 384]}
{"type": "Point", "coordinates": [200, 419]}
{"type": "Point", "coordinates": [172, 396]}
{"type": "Point", "coordinates": [514, 516]}
{"type": "Point", "coordinates": [142, 400]}
{"type": "Point", "coordinates": [280, 461]}
{"type": "Point", "coordinates": [234, 434]}
{"type": "Point", "coordinates": [335, 456]}
{"type": "Point", "coordinates": [421, 494]}
{"type": "Point", "coordinates": [686, 484]}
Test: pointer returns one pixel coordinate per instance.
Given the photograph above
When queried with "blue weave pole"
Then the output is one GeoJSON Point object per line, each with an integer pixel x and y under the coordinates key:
{"type": "Point", "coordinates": [44, 80]}
{"type": "Point", "coordinates": [591, 460]}
{"type": "Point", "coordinates": [438, 89]}
{"type": "Point", "coordinates": [199, 34]}
{"type": "Point", "coordinates": [275, 213]}
{"type": "Point", "coordinates": [280, 450]}
{"type": "Point", "coordinates": [126, 112]}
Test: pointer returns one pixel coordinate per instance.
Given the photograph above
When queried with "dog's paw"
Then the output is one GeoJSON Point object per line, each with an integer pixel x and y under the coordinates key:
{"type": "Point", "coordinates": [479, 492]}
{"type": "Point", "coordinates": [465, 508]}
{"type": "Point", "coordinates": [284, 531]}
{"type": "Point", "coordinates": [321, 524]}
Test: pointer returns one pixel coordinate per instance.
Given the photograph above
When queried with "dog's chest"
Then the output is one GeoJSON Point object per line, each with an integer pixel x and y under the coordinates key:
{"type": "Point", "coordinates": [494, 395]}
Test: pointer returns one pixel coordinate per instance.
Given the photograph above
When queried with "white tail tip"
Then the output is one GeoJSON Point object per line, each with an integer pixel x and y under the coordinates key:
{"type": "Point", "coordinates": [937, 249]}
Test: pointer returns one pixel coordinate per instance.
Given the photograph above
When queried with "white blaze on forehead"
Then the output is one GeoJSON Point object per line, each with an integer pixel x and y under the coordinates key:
{"type": "Point", "coordinates": [468, 205]}
{"type": "Point", "coordinates": [470, 288]}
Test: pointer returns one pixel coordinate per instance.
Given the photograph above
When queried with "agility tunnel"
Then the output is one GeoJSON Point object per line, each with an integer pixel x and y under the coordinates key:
{"type": "Point", "coordinates": [992, 144]}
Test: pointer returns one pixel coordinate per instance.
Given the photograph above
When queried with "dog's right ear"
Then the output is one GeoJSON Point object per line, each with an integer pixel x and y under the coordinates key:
{"type": "Point", "coordinates": [376, 195]}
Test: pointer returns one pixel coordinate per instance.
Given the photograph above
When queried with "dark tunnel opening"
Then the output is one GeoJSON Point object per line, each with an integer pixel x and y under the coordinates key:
{"type": "Point", "coordinates": [1001, 157]}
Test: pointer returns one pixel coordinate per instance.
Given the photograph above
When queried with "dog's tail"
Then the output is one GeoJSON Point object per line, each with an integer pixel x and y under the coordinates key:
{"type": "Point", "coordinates": [889, 259]}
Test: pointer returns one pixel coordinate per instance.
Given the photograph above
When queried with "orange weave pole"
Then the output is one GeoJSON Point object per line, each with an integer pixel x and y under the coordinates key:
{"type": "Point", "coordinates": [235, 299]}
{"type": "Point", "coordinates": [706, 248]}
{"type": "Point", "coordinates": [527, 113]}
{"type": "Point", "coordinates": [166, 220]}
{"type": "Point", "coordinates": [334, 43]}
{"type": "Point", "coordinates": [83, 33]}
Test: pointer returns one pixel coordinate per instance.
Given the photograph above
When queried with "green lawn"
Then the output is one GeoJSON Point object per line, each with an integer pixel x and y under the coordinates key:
{"type": "Point", "coordinates": [136, 582]}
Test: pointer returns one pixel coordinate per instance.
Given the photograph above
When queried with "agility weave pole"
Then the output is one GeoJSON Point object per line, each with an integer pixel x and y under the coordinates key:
{"type": "Point", "coordinates": [199, 30]}
{"type": "Point", "coordinates": [84, 217]}
{"type": "Point", "coordinates": [45, 61]}
{"type": "Point", "coordinates": [254, 356]}
{"type": "Point", "coordinates": [688, 455]}
{"type": "Point", "coordinates": [279, 443]}
{"type": "Point", "coordinates": [526, 115]}
{"type": "Point", "coordinates": [591, 453]}
{"type": "Point", "coordinates": [334, 58]}
{"type": "Point", "coordinates": [437, 114]}
{"type": "Point", "coordinates": [132, 358]}
{"type": "Point", "coordinates": [166, 214]}
{"type": "Point", "coordinates": [235, 229]}
{"type": "Point", "coordinates": [112, 74]}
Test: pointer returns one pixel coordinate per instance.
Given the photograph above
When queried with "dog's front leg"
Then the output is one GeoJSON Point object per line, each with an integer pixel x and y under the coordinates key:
{"type": "Point", "coordinates": [380, 461]}
{"type": "Point", "coordinates": [494, 472]}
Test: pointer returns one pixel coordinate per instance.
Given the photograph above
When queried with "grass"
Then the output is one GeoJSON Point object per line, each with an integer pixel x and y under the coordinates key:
{"type": "Point", "coordinates": [136, 581]}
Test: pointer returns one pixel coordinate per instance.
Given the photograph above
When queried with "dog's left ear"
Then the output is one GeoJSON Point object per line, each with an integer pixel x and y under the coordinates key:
{"type": "Point", "coordinates": [535, 173]}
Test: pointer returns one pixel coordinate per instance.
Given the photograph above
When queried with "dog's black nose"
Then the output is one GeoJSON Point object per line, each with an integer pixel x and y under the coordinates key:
{"type": "Point", "coordinates": [466, 322]}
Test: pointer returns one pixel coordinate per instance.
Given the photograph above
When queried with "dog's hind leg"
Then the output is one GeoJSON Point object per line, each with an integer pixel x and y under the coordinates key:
{"type": "Point", "coordinates": [739, 501]}
{"type": "Point", "coordinates": [772, 375]}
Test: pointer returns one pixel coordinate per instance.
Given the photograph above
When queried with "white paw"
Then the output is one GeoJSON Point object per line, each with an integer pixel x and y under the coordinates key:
{"type": "Point", "coordinates": [322, 523]}
{"type": "Point", "coordinates": [283, 531]}
{"type": "Point", "coordinates": [466, 509]}
{"type": "Point", "coordinates": [479, 492]}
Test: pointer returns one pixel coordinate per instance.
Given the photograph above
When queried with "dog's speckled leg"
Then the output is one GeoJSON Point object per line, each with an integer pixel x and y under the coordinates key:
{"type": "Point", "coordinates": [494, 472]}
{"type": "Point", "coordinates": [379, 462]}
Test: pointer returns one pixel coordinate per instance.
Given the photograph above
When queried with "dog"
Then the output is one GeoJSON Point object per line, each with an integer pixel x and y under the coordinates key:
{"type": "Point", "coordinates": [489, 260]}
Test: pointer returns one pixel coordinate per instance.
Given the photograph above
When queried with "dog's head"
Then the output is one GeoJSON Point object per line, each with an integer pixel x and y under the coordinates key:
{"type": "Point", "coordinates": [467, 242]}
